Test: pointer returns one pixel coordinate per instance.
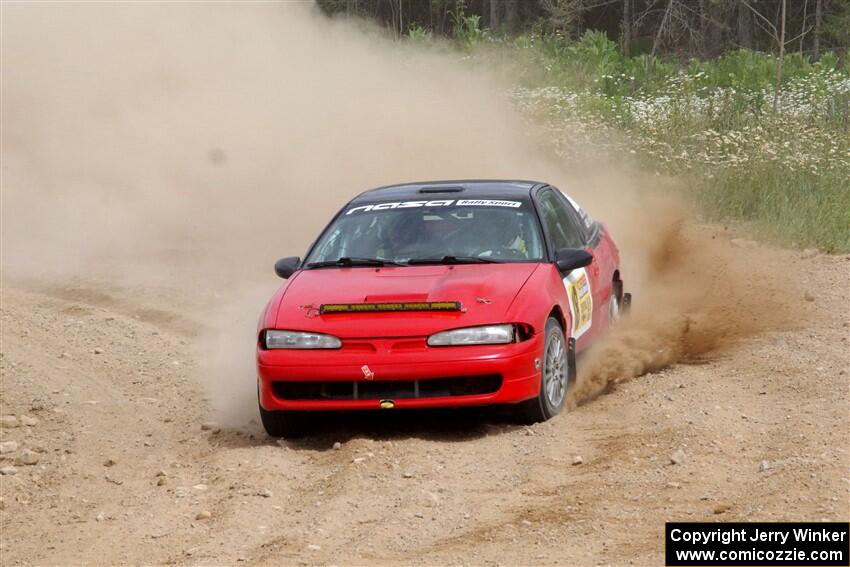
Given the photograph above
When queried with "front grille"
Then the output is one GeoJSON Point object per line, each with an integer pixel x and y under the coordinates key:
{"type": "Point", "coordinates": [388, 389]}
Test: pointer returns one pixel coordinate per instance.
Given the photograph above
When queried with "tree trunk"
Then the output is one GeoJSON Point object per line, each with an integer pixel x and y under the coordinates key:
{"type": "Point", "coordinates": [781, 57]}
{"type": "Point", "coordinates": [577, 19]}
{"type": "Point", "coordinates": [710, 28]}
{"type": "Point", "coordinates": [745, 27]}
{"type": "Point", "coordinates": [393, 18]}
{"type": "Point", "coordinates": [627, 27]}
{"type": "Point", "coordinates": [818, 22]}
{"type": "Point", "coordinates": [494, 14]}
{"type": "Point", "coordinates": [510, 15]}
{"type": "Point", "coordinates": [661, 28]}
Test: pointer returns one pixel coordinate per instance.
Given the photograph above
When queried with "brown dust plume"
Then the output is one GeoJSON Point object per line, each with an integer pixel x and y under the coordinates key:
{"type": "Point", "coordinates": [193, 144]}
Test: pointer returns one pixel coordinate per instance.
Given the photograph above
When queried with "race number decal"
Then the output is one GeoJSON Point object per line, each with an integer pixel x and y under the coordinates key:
{"type": "Point", "coordinates": [577, 285]}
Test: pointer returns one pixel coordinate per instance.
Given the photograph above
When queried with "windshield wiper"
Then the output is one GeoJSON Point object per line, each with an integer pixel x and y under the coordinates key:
{"type": "Point", "coordinates": [346, 262]}
{"type": "Point", "coordinates": [453, 260]}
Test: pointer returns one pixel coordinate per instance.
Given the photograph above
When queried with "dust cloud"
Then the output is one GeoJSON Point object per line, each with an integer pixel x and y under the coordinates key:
{"type": "Point", "coordinates": [193, 144]}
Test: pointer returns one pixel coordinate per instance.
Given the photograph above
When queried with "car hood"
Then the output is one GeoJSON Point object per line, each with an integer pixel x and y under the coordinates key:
{"type": "Point", "coordinates": [484, 290]}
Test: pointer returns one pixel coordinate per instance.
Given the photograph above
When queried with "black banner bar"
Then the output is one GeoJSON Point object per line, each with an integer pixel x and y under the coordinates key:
{"type": "Point", "coordinates": [692, 544]}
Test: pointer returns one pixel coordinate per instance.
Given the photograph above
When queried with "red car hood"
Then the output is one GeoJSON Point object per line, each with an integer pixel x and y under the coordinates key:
{"type": "Point", "coordinates": [485, 291]}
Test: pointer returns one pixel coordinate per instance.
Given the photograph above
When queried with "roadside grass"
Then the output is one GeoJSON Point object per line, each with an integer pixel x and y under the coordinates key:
{"type": "Point", "coordinates": [790, 206]}
{"type": "Point", "coordinates": [783, 174]}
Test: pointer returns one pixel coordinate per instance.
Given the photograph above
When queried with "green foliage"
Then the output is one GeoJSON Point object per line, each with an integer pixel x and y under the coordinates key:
{"type": "Point", "coordinates": [784, 174]}
{"type": "Point", "coordinates": [417, 33]}
{"type": "Point", "coordinates": [836, 27]}
{"type": "Point", "coordinates": [594, 52]}
{"type": "Point", "coordinates": [594, 64]}
{"type": "Point", "coordinates": [647, 73]}
{"type": "Point", "coordinates": [466, 28]}
{"type": "Point", "coordinates": [580, 65]}
{"type": "Point", "coordinates": [740, 70]}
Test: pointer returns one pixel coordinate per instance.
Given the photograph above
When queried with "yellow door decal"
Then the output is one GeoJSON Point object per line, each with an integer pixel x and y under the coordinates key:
{"type": "Point", "coordinates": [577, 284]}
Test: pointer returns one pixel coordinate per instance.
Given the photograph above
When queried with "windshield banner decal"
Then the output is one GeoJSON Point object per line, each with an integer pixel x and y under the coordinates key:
{"type": "Point", "coordinates": [437, 203]}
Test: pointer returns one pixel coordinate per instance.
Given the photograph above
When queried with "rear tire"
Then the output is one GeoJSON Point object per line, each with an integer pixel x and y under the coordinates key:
{"type": "Point", "coordinates": [615, 303]}
{"type": "Point", "coordinates": [626, 306]}
{"type": "Point", "coordinates": [288, 424]}
{"type": "Point", "coordinates": [557, 376]}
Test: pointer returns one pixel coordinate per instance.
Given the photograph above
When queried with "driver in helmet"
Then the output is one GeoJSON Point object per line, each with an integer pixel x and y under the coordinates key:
{"type": "Point", "coordinates": [401, 235]}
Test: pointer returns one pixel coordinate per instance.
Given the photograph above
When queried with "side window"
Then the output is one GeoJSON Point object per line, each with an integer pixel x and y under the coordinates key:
{"type": "Point", "coordinates": [561, 227]}
{"type": "Point", "coordinates": [579, 216]}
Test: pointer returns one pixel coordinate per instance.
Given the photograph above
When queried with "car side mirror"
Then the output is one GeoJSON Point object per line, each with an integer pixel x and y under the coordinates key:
{"type": "Point", "coordinates": [285, 267]}
{"type": "Point", "coordinates": [569, 259]}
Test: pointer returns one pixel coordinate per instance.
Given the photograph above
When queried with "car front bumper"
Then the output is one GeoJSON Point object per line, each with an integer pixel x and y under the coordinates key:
{"type": "Point", "coordinates": [401, 373]}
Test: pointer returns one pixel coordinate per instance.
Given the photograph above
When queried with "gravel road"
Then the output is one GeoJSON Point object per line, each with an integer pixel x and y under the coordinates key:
{"type": "Point", "coordinates": [111, 459]}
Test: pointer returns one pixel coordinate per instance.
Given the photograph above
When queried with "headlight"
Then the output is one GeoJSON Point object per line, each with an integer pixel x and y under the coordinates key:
{"type": "Point", "coordinates": [488, 335]}
{"type": "Point", "coordinates": [273, 339]}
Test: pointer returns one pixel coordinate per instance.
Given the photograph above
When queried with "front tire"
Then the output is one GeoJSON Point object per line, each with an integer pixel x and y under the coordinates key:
{"type": "Point", "coordinates": [288, 424]}
{"type": "Point", "coordinates": [557, 375]}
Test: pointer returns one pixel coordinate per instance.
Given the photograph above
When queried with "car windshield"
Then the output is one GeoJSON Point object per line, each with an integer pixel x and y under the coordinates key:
{"type": "Point", "coordinates": [447, 231]}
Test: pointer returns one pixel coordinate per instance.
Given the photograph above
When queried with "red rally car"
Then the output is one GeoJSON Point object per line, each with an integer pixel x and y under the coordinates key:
{"type": "Point", "coordinates": [439, 294]}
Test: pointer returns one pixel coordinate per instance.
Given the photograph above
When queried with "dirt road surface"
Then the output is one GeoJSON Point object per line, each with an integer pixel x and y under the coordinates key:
{"type": "Point", "coordinates": [102, 381]}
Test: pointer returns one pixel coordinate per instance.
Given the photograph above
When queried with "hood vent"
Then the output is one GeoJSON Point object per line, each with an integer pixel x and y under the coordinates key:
{"type": "Point", "coordinates": [438, 189]}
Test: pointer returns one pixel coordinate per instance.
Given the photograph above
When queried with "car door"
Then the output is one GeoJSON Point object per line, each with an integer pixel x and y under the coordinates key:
{"type": "Point", "coordinates": [604, 260]}
{"type": "Point", "coordinates": [563, 230]}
